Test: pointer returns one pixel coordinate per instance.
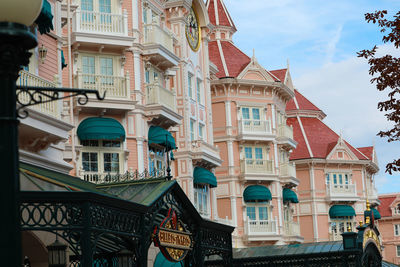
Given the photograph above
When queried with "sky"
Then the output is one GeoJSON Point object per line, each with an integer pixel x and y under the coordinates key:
{"type": "Point", "coordinates": [319, 40]}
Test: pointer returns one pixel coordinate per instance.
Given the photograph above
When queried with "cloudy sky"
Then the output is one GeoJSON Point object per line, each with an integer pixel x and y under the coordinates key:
{"type": "Point", "coordinates": [320, 39]}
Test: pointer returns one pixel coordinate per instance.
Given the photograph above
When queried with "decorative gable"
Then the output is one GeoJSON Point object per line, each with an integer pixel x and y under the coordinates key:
{"type": "Point", "coordinates": [254, 71]}
{"type": "Point", "coordinates": [341, 151]}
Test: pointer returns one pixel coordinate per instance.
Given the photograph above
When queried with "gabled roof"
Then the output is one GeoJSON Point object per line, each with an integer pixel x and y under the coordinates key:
{"type": "Point", "coordinates": [367, 151]}
{"type": "Point", "coordinates": [218, 14]}
{"type": "Point", "coordinates": [302, 103]}
{"type": "Point", "coordinates": [317, 137]}
{"type": "Point", "coordinates": [386, 201]}
{"type": "Point", "coordinates": [280, 74]}
{"type": "Point", "coordinates": [229, 59]}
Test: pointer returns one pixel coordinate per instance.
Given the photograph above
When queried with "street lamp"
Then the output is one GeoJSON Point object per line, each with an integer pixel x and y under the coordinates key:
{"type": "Point", "coordinates": [57, 254]}
{"type": "Point", "coordinates": [15, 41]}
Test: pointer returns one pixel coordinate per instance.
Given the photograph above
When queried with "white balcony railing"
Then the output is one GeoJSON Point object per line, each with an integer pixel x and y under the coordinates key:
{"type": "Point", "coordinates": [254, 126]}
{"type": "Point", "coordinates": [101, 23]}
{"type": "Point", "coordinates": [261, 227]}
{"type": "Point", "coordinates": [285, 131]}
{"type": "Point", "coordinates": [287, 169]}
{"type": "Point", "coordinates": [342, 190]}
{"type": "Point", "coordinates": [292, 228]}
{"type": "Point", "coordinates": [51, 108]}
{"type": "Point", "coordinates": [116, 86]}
{"type": "Point", "coordinates": [335, 236]}
{"type": "Point", "coordinates": [372, 192]}
{"type": "Point", "coordinates": [257, 166]}
{"type": "Point", "coordinates": [155, 34]}
{"type": "Point", "coordinates": [157, 94]}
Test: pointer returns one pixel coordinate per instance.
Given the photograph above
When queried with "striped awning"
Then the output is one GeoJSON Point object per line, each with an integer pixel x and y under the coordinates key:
{"type": "Point", "coordinates": [96, 128]}
{"type": "Point", "coordinates": [289, 196]}
{"type": "Point", "coordinates": [341, 211]}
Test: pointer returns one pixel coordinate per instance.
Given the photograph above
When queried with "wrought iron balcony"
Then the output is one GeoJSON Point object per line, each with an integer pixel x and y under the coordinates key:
{"type": "Point", "coordinates": [101, 28]}
{"type": "Point", "coordinates": [257, 166]}
{"type": "Point", "coordinates": [51, 108]}
{"type": "Point", "coordinates": [342, 192]}
{"type": "Point", "coordinates": [116, 86]}
{"type": "Point", "coordinates": [258, 230]}
{"type": "Point", "coordinates": [158, 44]}
{"type": "Point", "coordinates": [106, 178]}
{"type": "Point", "coordinates": [291, 229]}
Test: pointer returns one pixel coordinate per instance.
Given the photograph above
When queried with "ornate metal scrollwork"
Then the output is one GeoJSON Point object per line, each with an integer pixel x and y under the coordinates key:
{"type": "Point", "coordinates": [32, 95]}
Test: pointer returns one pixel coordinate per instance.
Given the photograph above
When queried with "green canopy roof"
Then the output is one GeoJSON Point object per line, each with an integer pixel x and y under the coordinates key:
{"type": "Point", "coordinates": [256, 192]}
{"type": "Point", "coordinates": [160, 136]}
{"type": "Point", "coordinates": [341, 211]}
{"type": "Point", "coordinates": [203, 176]}
{"type": "Point", "coordinates": [95, 128]}
{"type": "Point", "coordinates": [289, 196]}
{"type": "Point", "coordinates": [377, 215]}
{"type": "Point", "coordinates": [63, 65]}
{"type": "Point", "coordinates": [161, 261]}
{"type": "Point", "coordinates": [45, 19]}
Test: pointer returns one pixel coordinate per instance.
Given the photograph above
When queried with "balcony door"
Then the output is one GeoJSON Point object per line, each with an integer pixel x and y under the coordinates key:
{"type": "Point", "coordinates": [251, 116]}
{"type": "Point", "coordinates": [256, 160]}
{"type": "Point", "coordinates": [340, 182]}
{"type": "Point", "coordinates": [98, 72]}
{"type": "Point", "coordinates": [96, 14]}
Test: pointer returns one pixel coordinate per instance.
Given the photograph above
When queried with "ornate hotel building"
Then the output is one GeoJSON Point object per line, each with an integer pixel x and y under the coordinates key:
{"type": "Point", "coordinates": [256, 181]}
{"type": "Point", "coordinates": [336, 179]}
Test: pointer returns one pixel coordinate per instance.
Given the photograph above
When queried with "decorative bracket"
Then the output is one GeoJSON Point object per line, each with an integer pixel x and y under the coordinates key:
{"type": "Point", "coordinates": [33, 95]}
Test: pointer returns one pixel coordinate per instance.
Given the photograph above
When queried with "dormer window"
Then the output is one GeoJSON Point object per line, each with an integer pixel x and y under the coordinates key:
{"type": "Point", "coordinates": [397, 209]}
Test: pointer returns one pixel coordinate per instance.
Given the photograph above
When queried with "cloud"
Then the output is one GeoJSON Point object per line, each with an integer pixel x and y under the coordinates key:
{"type": "Point", "coordinates": [331, 47]}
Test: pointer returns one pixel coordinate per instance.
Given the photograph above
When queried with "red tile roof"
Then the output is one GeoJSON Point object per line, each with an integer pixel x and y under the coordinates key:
{"type": "Point", "coordinates": [224, 19]}
{"type": "Point", "coordinates": [304, 103]}
{"type": "Point", "coordinates": [321, 139]}
{"type": "Point", "coordinates": [367, 151]}
{"type": "Point", "coordinates": [235, 59]}
{"type": "Point", "coordinates": [280, 74]}
{"type": "Point", "coordinates": [384, 207]}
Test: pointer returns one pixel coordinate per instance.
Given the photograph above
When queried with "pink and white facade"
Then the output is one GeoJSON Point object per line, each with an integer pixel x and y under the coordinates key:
{"type": "Point", "coordinates": [249, 121]}
{"type": "Point", "coordinates": [389, 226]}
{"type": "Point", "coordinates": [138, 52]}
{"type": "Point", "coordinates": [335, 178]}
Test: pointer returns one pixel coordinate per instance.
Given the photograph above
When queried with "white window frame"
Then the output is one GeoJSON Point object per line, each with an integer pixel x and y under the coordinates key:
{"type": "Point", "coordinates": [96, 6]}
{"type": "Point", "coordinates": [330, 178]}
{"type": "Point", "coordinates": [191, 85]}
{"type": "Point", "coordinates": [202, 191]}
{"type": "Point", "coordinates": [157, 159]}
{"type": "Point", "coordinates": [257, 205]}
{"type": "Point", "coordinates": [97, 63]}
{"type": "Point", "coordinates": [201, 131]}
{"type": "Point", "coordinates": [199, 91]}
{"type": "Point", "coordinates": [100, 150]}
{"type": "Point", "coordinates": [396, 209]}
{"type": "Point", "coordinates": [396, 228]}
{"type": "Point", "coordinates": [192, 130]}
{"type": "Point", "coordinates": [398, 250]}
{"type": "Point", "coordinates": [345, 220]}
{"type": "Point", "coordinates": [251, 115]}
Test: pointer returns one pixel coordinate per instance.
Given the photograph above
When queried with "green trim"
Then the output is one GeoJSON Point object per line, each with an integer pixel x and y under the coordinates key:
{"type": "Point", "coordinates": [377, 215]}
{"type": "Point", "coordinates": [96, 128]}
{"type": "Point", "coordinates": [341, 211]}
{"type": "Point", "coordinates": [204, 176]}
{"type": "Point", "coordinates": [160, 136]}
{"type": "Point", "coordinates": [254, 193]}
{"type": "Point", "coordinates": [45, 19]}
{"type": "Point", "coordinates": [63, 65]}
{"type": "Point", "coordinates": [161, 261]}
{"type": "Point", "coordinates": [289, 196]}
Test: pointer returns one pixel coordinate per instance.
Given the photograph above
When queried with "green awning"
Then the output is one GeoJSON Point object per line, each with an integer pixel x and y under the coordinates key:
{"type": "Point", "coordinates": [341, 211]}
{"type": "Point", "coordinates": [289, 196]}
{"type": "Point", "coordinates": [45, 19]}
{"type": "Point", "coordinates": [203, 176]}
{"type": "Point", "coordinates": [95, 128]}
{"type": "Point", "coordinates": [377, 215]}
{"type": "Point", "coordinates": [63, 65]}
{"type": "Point", "coordinates": [256, 192]}
{"type": "Point", "coordinates": [161, 261]}
{"type": "Point", "coordinates": [160, 136]}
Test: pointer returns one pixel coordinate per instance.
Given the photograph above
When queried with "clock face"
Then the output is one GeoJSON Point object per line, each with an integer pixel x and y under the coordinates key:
{"type": "Point", "coordinates": [192, 30]}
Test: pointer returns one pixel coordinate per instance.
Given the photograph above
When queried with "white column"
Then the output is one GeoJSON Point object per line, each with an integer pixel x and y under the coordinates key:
{"type": "Point", "coordinates": [135, 15]}
{"type": "Point", "coordinates": [137, 72]}
{"type": "Point", "coordinates": [276, 155]}
{"type": "Point", "coordinates": [214, 203]}
{"type": "Point", "coordinates": [230, 158]}
{"type": "Point", "coordinates": [365, 192]}
{"type": "Point", "coordinates": [273, 116]}
{"type": "Point", "coordinates": [139, 140]}
{"type": "Point", "coordinates": [313, 204]}
{"type": "Point", "coordinates": [279, 197]}
{"type": "Point", "coordinates": [234, 211]}
{"type": "Point", "coordinates": [228, 113]}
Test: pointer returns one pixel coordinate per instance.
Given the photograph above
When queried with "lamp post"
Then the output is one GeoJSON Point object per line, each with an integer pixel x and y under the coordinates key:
{"type": "Point", "coordinates": [15, 41]}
